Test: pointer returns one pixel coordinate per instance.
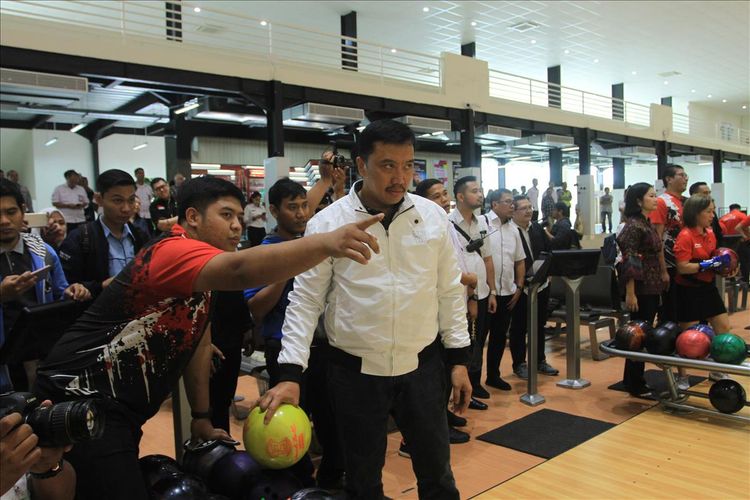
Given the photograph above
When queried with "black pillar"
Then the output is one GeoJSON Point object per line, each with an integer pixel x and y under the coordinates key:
{"type": "Point", "coordinates": [349, 47]}
{"type": "Point", "coordinates": [174, 21]}
{"type": "Point", "coordinates": [662, 157]}
{"type": "Point", "coordinates": [275, 100]}
{"type": "Point", "coordinates": [95, 157]}
{"type": "Point", "coordinates": [555, 166]}
{"type": "Point", "coordinates": [718, 163]}
{"type": "Point", "coordinates": [618, 104]}
{"type": "Point", "coordinates": [666, 101]}
{"type": "Point", "coordinates": [471, 152]}
{"type": "Point", "coordinates": [553, 86]}
{"type": "Point", "coordinates": [618, 173]}
{"type": "Point", "coordinates": [583, 141]}
{"type": "Point", "coordinates": [469, 49]}
{"type": "Point", "coordinates": [178, 150]}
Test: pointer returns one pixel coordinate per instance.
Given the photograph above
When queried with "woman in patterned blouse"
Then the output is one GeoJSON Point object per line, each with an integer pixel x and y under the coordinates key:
{"type": "Point", "coordinates": [642, 277]}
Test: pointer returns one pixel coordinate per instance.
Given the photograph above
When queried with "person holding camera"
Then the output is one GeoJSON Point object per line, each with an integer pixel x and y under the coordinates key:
{"type": "Point", "coordinates": [28, 470]}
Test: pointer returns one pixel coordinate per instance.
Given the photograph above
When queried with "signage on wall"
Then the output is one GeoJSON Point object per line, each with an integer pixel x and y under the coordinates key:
{"type": "Point", "coordinates": [420, 171]}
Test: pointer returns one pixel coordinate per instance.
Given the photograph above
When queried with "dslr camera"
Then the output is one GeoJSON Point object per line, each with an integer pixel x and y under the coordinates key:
{"type": "Point", "coordinates": [58, 425]}
{"type": "Point", "coordinates": [338, 160]}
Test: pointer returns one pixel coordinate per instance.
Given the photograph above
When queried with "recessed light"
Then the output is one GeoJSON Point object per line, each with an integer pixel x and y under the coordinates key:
{"type": "Point", "coordinates": [666, 82]}
{"type": "Point", "coordinates": [393, 51]}
{"type": "Point", "coordinates": [533, 41]}
{"type": "Point", "coordinates": [596, 61]}
{"type": "Point", "coordinates": [723, 100]}
{"type": "Point", "coordinates": [744, 106]}
{"type": "Point", "coordinates": [264, 23]}
{"type": "Point", "coordinates": [633, 72]}
{"type": "Point", "coordinates": [567, 51]}
{"type": "Point", "coordinates": [473, 23]}
{"type": "Point", "coordinates": [425, 9]}
{"type": "Point", "coordinates": [692, 91]}
{"type": "Point", "coordinates": [196, 9]}
{"type": "Point", "coordinates": [709, 96]}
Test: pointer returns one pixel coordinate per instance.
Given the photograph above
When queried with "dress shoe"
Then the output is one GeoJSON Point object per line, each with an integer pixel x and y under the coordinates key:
{"type": "Point", "coordinates": [456, 421]}
{"type": "Point", "coordinates": [545, 369]}
{"type": "Point", "coordinates": [475, 404]}
{"type": "Point", "coordinates": [522, 371]}
{"type": "Point", "coordinates": [640, 391]}
{"type": "Point", "coordinates": [498, 383]}
{"type": "Point", "coordinates": [480, 392]}
{"type": "Point", "coordinates": [455, 436]}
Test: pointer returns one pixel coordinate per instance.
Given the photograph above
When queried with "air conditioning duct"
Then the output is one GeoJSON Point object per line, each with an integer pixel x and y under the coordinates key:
{"type": "Point", "coordinates": [321, 116]}
{"type": "Point", "coordinates": [496, 133]}
{"type": "Point", "coordinates": [697, 159]}
{"type": "Point", "coordinates": [641, 152]}
{"type": "Point", "coordinates": [420, 125]}
{"type": "Point", "coordinates": [43, 81]}
{"type": "Point", "coordinates": [543, 142]}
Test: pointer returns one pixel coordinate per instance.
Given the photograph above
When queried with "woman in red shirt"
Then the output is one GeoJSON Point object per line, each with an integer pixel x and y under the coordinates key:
{"type": "Point", "coordinates": [698, 297]}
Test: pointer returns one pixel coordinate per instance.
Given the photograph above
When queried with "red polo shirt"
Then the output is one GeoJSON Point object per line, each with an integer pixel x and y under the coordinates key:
{"type": "Point", "coordinates": [730, 221]}
{"type": "Point", "coordinates": [693, 246]}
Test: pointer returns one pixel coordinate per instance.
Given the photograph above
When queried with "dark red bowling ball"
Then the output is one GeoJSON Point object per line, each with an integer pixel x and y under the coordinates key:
{"type": "Point", "coordinates": [693, 344]}
{"type": "Point", "coordinates": [630, 336]}
{"type": "Point", "coordinates": [734, 262]}
{"type": "Point", "coordinates": [727, 396]}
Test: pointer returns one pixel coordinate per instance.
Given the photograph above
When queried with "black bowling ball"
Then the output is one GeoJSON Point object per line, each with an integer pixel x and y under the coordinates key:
{"type": "Point", "coordinates": [273, 485]}
{"type": "Point", "coordinates": [199, 458]}
{"type": "Point", "coordinates": [661, 340]}
{"type": "Point", "coordinates": [672, 327]}
{"type": "Point", "coordinates": [157, 467]}
{"type": "Point", "coordinates": [727, 396]}
{"type": "Point", "coordinates": [233, 474]}
{"type": "Point", "coordinates": [179, 486]}
{"type": "Point", "coordinates": [313, 494]}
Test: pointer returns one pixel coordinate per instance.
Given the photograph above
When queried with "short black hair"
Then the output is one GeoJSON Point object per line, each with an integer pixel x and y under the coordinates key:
{"type": "Point", "coordinates": [425, 185]}
{"type": "Point", "coordinates": [385, 131]}
{"type": "Point", "coordinates": [694, 187]}
{"type": "Point", "coordinates": [112, 178]}
{"type": "Point", "coordinates": [495, 196]}
{"type": "Point", "coordinates": [157, 179]}
{"type": "Point", "coordinates": [200, 192]}
{"type": "Point", "coordinates": [633, 195]}
{"type": "Point", "coordinates": [69, 173]}
{"type": "Point", "coordinates": [519, 197]}
{"type": "Point", "coordinates": [285, 188]}
{"type": "Point", "coordinates": [563, 207]}
{"type": "Point", "coordinates": [734, 206]}
{"type": "Point", "coordinates": [461, 183]}
{"type": "Point", "coordinates": [694, 206]}
{"type": "Point", "coordinates": [254, 194]}
{"type": "Point", "coordinates": [137, 169]}
{"type": "Point", "coordinates": [670, 170]}
{"type": "Point", "coordinates": [8, 188]}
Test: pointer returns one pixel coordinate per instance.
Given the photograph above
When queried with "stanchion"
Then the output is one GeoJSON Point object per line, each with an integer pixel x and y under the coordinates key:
{"type": "Point", "coordinates": [536, 276]}
{"type": "Point", "coordinates": [573, 335]}
{"type": "Point", "coordinates": [181, 418]}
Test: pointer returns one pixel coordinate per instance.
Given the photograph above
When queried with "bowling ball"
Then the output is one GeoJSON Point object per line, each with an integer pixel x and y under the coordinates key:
{"type": "Point", "coordinates": [312, 494]}
{"type": "Point", "coordinates": [273, 485]}
{"type": "Point", "coordinates": [672, 327]}
{"type": "Point", "coordinates": [157, 467]}
{"type": "Point", "coordinates": [693, 344]}
{"type": "Point", "coordinates": [702, 327]}
{"type": "Point", "coordinates": [179, 486]}
{"type": "Point", "coordinates": [734, 261]}
{"type": "Point", "coordinates": [233, 474]}
{"type": "Point", "coordinates": [728, 348]}
{"type": "Point", "coordinates": [661, 340]}
{"type": "Point", "coordinates": [200, 457]}
{"type": "Point", "coordinates": [281, 443]}
{"type": "Point", "coordinates": [630, 336]}
{"type": "Point", "coordinates": [727, 396]}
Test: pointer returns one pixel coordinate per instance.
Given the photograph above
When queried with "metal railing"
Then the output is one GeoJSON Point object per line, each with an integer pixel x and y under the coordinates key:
{"type": "Point", "coordinates": [539, 93]}
{"type": "Point", "coordinates": [238, 35]}
{"type": "Point", "coordinates": [688, 125]}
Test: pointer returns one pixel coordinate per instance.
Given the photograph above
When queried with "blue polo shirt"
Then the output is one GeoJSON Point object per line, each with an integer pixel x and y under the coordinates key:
{"type": "Point", "coordinates": [274, 320]}
{"type": "Point", "coordinates": [121, 250]}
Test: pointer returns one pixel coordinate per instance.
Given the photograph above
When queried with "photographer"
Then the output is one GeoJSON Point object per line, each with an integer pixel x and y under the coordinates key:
{"type": "Point", "coordinates": [28, 471]}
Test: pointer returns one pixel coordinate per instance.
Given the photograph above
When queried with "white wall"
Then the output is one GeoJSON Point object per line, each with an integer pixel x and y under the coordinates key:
{"type": "Point", "coordinates": [116, 151]}
{"type": "Point", "coordinates": [17, 153]}
{"type": "Point", "coordinates": [736, 186]}
{"type": "Point", "coordinates": [71, 151]}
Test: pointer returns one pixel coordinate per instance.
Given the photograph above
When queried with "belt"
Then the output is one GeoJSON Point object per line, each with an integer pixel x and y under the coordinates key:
{"type": "Point", "coordinates": [354, 363]}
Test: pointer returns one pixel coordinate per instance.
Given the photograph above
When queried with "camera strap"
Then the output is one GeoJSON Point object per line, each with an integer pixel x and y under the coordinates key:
{"type": "Point", "coordinates": [466, 236]}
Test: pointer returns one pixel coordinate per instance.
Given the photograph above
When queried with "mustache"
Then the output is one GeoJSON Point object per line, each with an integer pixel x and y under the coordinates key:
{"type": "Point", "coordinates": [396, 186]}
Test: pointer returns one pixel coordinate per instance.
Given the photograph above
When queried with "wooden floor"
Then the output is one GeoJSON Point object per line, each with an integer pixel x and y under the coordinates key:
{"type": "Point", "coordinates": [626, 461]}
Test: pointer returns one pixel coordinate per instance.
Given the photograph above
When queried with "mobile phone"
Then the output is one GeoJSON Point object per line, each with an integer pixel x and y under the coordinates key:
{"type": "Point", "coordinates": [42, 272]}
{"type": "Point", "coordinates": [36, 219]}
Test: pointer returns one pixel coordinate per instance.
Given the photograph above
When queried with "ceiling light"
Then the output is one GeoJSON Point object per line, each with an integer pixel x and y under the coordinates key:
{"type": "Point", "coordinates": [596, 61]}
{"type": "Point", "coordinates": [473, 23]}
{"type": "Point", "coordinates": [51, 141]}
{"type": "Point", "coordinates": [78, 127]}
{"type": "Point", "coordinates": [567, 51]}
{"type": "Point", "coordinates": [744, 106]}
{"type": "Point", "coordinates": [723, 100]}
{"type": "Point", "coordinates": [709, 96]}
{"type": "Point", "coordinates": [140, 146]}
{"type": "Point", "coordinates": [264, 23]}
{"type": "Point", "coordinates": [393, 51]}
{"type": "Point", "coordinates": [533, 41]}
{"type": "Point", "coordinates": [692, 91]}
{"type": "Point", "coordinates": [187, 107]}
{"type": "Point", "coordinates": [196, 9]}
{"type": "Point", "coordinates": [633, 72]}
{"type": "Point", "coordinates": [425, 9]}
{"type": "Point", "coordinates": [666, 82]}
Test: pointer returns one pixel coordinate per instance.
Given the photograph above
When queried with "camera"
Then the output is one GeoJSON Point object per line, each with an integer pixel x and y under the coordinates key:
{"type": "Point", "coordinates": [58, 425]}
{"type": "Point", "coordinates": [338, 160]}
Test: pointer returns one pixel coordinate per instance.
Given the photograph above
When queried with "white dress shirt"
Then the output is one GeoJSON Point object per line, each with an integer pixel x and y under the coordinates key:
{"type": "Point", "coordinates": [507, 250]}
{"type": "Point", "coordinates": [475, 228]}
{"type": "Point", "coordinates": [76, 195]}
{"type": "Point", "coordinates": [533, 195]}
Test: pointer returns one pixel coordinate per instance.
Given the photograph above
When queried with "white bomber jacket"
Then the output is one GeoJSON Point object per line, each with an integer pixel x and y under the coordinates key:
{"type": "Point", "coordinates": [387, 311]}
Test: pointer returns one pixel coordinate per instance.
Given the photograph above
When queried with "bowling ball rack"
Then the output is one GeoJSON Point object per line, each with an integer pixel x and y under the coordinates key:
{"type": "Point", "coordinates": [674, 399]}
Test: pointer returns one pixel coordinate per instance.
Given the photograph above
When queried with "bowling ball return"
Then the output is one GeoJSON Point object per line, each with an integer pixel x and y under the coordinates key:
{"type": "Point", "coordinates": [675, 400]}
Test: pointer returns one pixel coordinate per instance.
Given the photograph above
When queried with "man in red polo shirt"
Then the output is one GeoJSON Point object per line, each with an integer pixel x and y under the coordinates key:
{"type": "Point", "coordinates": [736, 222]}
{"type": "Point", "coordinates": [667, 220]}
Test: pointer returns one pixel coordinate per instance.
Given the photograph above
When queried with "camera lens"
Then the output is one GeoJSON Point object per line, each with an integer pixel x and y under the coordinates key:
{"type": "Point", "coordinates": [67, 423]}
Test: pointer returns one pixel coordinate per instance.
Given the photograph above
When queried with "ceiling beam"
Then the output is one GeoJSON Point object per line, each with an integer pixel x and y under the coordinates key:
{"type": "Point", "coordinates": [98, 129]}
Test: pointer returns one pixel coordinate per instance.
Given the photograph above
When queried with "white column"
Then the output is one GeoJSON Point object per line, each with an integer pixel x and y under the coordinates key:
{"type": "Point", "coordinates": [275, 169]}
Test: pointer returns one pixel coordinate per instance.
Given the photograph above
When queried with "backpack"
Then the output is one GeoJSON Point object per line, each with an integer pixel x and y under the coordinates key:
{"type": "Point", "coordinates": [609, 249]}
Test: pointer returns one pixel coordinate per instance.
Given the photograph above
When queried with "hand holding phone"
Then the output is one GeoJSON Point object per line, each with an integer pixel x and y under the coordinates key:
{"type": "Point", "coordinates": [41, 273]}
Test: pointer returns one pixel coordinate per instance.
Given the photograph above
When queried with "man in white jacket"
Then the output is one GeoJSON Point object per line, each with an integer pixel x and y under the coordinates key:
{"type": "Point", "coordinates": [385, 323]}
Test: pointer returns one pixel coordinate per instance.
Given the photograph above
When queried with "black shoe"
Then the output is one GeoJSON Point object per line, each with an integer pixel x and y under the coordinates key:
{"type": "Point", "coordinates": [480, 392]}
{"type": "Point", "coordinates": [475, 404]}
{"type": "Point", "coordinates": [455, 436]}
{"type": "Point", "coordinates": [522, 371]}
{"type": "Point", "coordinates": [498, 383]}
{"type": "Point", "coordinates": [546, 369]}
{"type": "Point", "coordinates": [456, 421]}
{"type": "Point", "coordinates": [644, 390]}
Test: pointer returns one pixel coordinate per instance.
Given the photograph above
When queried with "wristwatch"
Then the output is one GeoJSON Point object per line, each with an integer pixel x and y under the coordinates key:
{"type": "Point", "coordinates": [473, 297]}
{"type": "Point", "coordinates": [493, 292]}
{"type": "Point", "coordinates": [202, 414]}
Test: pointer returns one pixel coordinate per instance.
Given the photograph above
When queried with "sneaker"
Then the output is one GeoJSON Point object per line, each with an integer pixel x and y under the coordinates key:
{"type": "Point", "coordinates": [403, 450]}
{"type": "Point", "coordinates": [716, 376]}
{"type": "Point", "coordinates": [522, 371]}
{"type": "Point", "coordinates": [641, 391]}
{"type": "Point", "coordinates": [457, 437]}
{"type": "Point", "coordinates": [683, 383]}
{"type": "Point", "coordinates": [480, 392]}
{"type": "Point", "coordinates": [545, 369]}
{"type": "Point", "coordinates": [498, 383]}
{"type": "Point", "coordinates": [456, 421]}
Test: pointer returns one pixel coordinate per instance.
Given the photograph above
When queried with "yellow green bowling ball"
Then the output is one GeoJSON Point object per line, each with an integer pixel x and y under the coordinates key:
{"type": "Point", "coordinates": [728, 348]}
{"type": "Point", "coordinates": [281, 443]}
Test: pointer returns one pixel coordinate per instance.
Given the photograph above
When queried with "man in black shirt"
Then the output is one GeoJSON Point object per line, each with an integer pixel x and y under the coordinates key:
{"type": "Point", "coordinates": [164, 207]}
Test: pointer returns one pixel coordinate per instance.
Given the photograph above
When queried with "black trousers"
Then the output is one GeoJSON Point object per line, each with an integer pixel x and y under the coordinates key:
{"type": "Point", "coordinates": [668, 309]}
{"type": "Point", "coordinates": [605, 216]}
{"type": "Point", "coordinates": [108, 467]}
{"type": "Point", "coordinates": [478, 333]}
{"type": "Point", "coordinates": [743, 253]}
{"type": "Point", "coordinates": [362, 404]}
{"type": "Point", "coordinates": [223, 383]}
{"type": "Point", "coordinates": [256, 235]}
{"type": "Point", "coordinates": [632, 375]}
{"type": "Point", "coordinates": [518, 328]}
{"type": "Point", "coordinates": [499, 323]}
{"type": "Point", "coordinates": [535, 215]}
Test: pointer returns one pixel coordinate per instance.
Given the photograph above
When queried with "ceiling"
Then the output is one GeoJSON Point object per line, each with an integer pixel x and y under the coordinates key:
{"type": "Point", "coordinates": [635, 43]}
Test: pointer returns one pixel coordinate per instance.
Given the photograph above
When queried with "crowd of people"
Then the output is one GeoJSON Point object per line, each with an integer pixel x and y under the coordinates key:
{"type": "Point", "coordinates": [333, 288]}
